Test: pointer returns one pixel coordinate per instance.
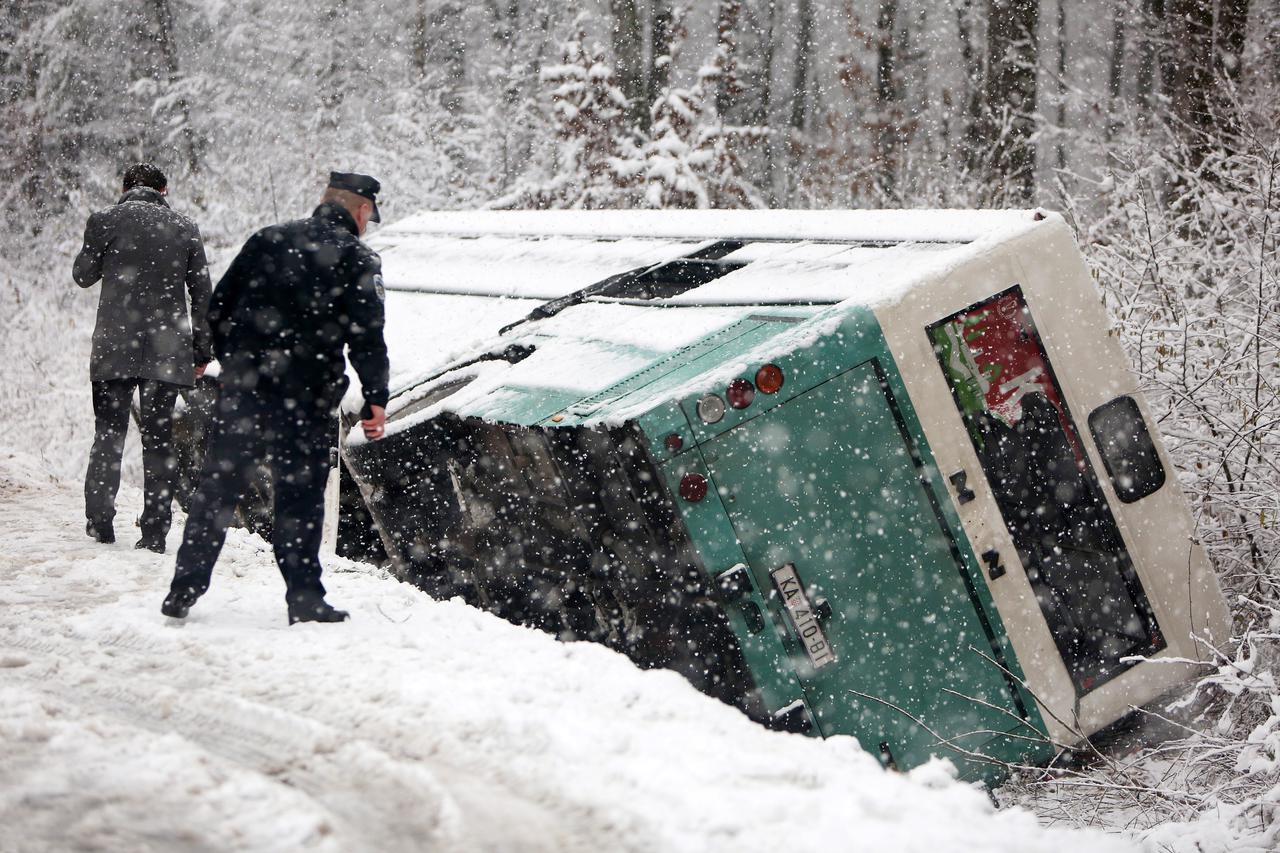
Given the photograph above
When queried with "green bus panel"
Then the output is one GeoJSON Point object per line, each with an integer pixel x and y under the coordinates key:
{"type": "Point", "coordinates": [862, 537]}
{"type": "Point", "coordinates": [835, 479]}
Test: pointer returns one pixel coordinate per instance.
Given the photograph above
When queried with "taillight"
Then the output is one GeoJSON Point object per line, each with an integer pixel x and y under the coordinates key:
{"type": "Point", "coordinates": [740, 393]}
{"type": "Point", "coordinates": [693, 487]}
{"type": "Point", "coordinates": [769, 379]}
{"type": "Point", "coordinates": [673, 443]}
{"type": "Point", "coordinates": [711, 409]}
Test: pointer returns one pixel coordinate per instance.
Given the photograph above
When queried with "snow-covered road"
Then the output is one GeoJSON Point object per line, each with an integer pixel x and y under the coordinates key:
{"type": "Point", "coordinates": [419, 725]}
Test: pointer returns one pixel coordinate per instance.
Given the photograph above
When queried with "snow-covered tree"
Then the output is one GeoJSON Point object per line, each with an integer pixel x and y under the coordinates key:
{"type": "Point", "coordinates": [835, 160]}
{"type": "Point", "coordinates": [692, 158]}
{"type": "Point", "coordinates": [592, 159]}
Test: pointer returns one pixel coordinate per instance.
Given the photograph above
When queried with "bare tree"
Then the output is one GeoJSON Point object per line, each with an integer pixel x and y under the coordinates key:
{"type": "Point", "coordinates": [764, 115]}
{"type": "Point", "coordinates": [1206, 47]}
{"type": "Point", "coordinates": [971, 57]}
{"type": "Point", "coordinates": [1060, 72]}
{"type": "Point", "coordinates": [447, 50]}
{"type": "Point", "coordinates": [1010, 96]}
{"type": "Point", "coordinates": [1229, 37]}
{"type": "Point", "coordinates": [1189, 76]}
{"type": "Point", "coordinates": [420, 47]}
{"type": "Point", "coordinates": [1115, 68]}
{"type": "Point", "coordinates": [1148, 51]}
{"type": "Point", "coordinates": [1233, 16]}
{"type": "Point", "coordinates": [513, 31]}
{"type": "Point", "coordinates": [164, 40]}
{"type": "Point", "coordinates": [887, 126]}
{"type": "Point", "coordinates": [800, 89]}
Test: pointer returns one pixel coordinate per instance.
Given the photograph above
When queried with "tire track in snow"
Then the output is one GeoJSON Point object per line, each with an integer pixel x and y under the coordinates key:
{"type": "Point", "coordinates": [380, 796]}
{"type": "Point", "coordinates": [378, 800]}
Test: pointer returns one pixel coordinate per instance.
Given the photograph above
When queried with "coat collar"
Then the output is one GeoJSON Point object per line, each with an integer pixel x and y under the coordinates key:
{"type": "Point", "coordinates": [143, 194]}
{"type": "Point", "coordinates": [336, 214]}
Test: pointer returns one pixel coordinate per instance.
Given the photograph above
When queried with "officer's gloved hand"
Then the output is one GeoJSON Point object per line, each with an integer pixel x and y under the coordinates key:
{"type": "Point", "coordinates": [373, 420]}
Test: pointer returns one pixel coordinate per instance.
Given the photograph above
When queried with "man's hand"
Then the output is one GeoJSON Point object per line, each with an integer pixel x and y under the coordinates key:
{"type": "Point", "coordinates": [200, 368]}
{"type": "Point", "coordinates": [375, 424]}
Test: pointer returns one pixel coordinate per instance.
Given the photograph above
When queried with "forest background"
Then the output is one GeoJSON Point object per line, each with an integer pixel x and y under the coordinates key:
{"type": "Point", "coordinates": [1153, 125]}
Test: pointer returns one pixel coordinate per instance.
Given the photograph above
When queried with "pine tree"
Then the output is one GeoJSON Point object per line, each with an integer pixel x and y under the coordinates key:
{"type": "Point", "coordinates": [593, 159]}
{"type": "Point", "coordinates": [692, 158]}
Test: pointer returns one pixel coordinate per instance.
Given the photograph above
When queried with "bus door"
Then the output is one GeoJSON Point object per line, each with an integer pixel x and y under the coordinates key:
{"type": "Point", "coordinates": [1045, 487]}
{"type": "Point", "coordinates": [843, 534]}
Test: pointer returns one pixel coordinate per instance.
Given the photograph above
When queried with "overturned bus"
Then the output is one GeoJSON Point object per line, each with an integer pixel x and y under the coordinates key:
{"type": "Point", "coordinates": [882, 474]}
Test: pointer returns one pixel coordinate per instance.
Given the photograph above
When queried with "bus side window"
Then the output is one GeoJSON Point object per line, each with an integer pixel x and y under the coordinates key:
{"type": "Point", "coordinates": [1127, 449]}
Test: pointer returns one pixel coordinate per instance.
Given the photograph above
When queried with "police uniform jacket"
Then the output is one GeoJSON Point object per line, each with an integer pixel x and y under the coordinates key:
{"type": "Point", "coordinates": [150, 260]}
{"type": "Point", "coordinates": [295, 296]}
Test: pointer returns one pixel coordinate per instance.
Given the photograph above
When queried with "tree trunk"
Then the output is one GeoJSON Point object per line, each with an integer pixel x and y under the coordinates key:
{"type": "Point", "coordinates": [972, 59]}
{"type": "Point", "coordinates": [764, 115]}
{"type": "Point", "coordinates": [659, 76]}
{"type": "Point", "coordinates": [888, 96]}
{"type": "Point", "coordinates": [804, 51]}
{"type": "Point", "coordinates": [628, 61]}
{"type": "Point", "coordinates": [1115, 72]}
{"type": "Point", "coordinates": [727, 22]}
{"type": "Point", "coordinates": [447, 50]}
{"type": "Point", "coordinates": [1010, 95]}
{"type": "Point", "coordinates": [419, 49]}
{"type": "Point", "coordinates": [21, 160]}
{"type": "Point", "coordinates": [1190, 84]}
{"type": "Point", "coordinates": [1148, 54]}
{"type": "Point", "coordinates": [164, 40]}
{"type": "Point", "coordinates": [332, 85]}
{"type": "Point", "coordinates": [1061, 71]}
{"type": "Point", "coordinates": [509, 36]}
{"type": "Point", "coordinates": [1233, 15]}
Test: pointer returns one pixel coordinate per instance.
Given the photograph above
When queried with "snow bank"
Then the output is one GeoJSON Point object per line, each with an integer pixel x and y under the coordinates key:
{"type": "Point", "coordinates": [418, 725]}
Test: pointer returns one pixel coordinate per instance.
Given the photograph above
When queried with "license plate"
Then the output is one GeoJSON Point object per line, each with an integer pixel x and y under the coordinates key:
{"type": "Point", "coordinates": [803, 619]}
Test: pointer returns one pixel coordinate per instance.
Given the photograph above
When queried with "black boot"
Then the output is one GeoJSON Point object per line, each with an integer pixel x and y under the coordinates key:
{"type": "Point", "coordinates": [102, 531]}
{"type": "Point", "coordinates": [178, 604]}
{"type": "Point", "coordinates": [315, 610]}
{"type": "Point", "coordinates": [150, 543]}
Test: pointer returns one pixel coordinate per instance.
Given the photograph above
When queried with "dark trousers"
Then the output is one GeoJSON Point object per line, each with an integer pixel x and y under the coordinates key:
{"type": "Point", "coordinates": [250, 430]}
{"type": "Point", "coordinates": [111, 400]}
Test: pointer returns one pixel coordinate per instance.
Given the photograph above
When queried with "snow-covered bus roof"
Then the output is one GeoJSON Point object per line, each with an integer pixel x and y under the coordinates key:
{"type": "Point", "coordinates": [840, 226]}
{"type": "Point", "coordinates": [454, 279]}
{"type": "Point", "coordinates": [826, 256]}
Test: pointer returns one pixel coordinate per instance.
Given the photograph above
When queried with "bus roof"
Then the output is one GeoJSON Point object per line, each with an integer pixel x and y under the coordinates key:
{"type": "Point", "coordinates": [841, 226]}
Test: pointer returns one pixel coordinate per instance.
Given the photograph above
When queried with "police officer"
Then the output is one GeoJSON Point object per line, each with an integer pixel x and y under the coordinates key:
{"type": "Point", "coordinates": [291, 300]}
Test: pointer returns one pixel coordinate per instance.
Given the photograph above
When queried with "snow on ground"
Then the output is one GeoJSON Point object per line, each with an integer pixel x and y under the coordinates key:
{"type": "Point", "coordinates": [419, 725]}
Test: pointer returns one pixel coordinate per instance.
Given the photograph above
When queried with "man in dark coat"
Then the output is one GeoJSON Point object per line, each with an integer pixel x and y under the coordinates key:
{"type": "Point", "coordinates": [151, 261]}
{"type": "Point", "coordinates": [294, 297]}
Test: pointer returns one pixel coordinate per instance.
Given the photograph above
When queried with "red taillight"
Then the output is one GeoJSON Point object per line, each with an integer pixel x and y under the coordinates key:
{"type": "Point", "coordinates": [693, 487]}
{"type": "Point", "coordinates": [740, 393]}
{"type": "Point", "coordinates": [769, 379]}
{"type": "Point", "coordinates": [673, 443]}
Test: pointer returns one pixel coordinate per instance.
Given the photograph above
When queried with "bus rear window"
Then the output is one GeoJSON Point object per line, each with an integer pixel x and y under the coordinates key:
{"type": "Point", "coordinates": [1127, 449]}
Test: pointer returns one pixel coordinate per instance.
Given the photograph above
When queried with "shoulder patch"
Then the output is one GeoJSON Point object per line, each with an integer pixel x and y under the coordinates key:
{"type": "Point", "coordinates": [379, 287]}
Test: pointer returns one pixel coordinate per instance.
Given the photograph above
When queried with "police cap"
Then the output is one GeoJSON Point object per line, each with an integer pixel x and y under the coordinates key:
{"type": "Point", "coordinates": [361, 185]}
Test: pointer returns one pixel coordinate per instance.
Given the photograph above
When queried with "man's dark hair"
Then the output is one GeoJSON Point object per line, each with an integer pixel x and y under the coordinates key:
{"type": "Point", "coordinates": [144, 175]}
